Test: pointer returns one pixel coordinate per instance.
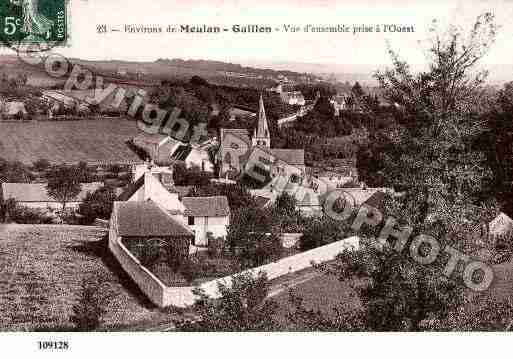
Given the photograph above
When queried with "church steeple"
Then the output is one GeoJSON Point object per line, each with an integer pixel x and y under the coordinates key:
{"type": "Point", "coordinates": [261, 136]}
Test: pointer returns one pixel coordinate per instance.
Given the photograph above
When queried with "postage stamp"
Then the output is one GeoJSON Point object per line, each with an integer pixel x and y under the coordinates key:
{"type": "Point", "coordinates": [25, 22]}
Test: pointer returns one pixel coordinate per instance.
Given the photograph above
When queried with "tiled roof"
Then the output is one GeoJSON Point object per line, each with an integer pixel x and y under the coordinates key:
{"type": "Point", "coordinates": [146, 219]}
{"type": "Point", "coordinates": [215, 206]}
{"type": "Point", "coordinates": [291, 157]}
{"type": "Point", "coordinates": [37, 192]}
{"type": "Point", "coordinates": [183, 190]}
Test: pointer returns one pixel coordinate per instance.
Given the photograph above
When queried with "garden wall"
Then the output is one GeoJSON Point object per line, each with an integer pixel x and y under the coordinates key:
{"type": "Point", "coordinates": [145, 280]}
{"type": "Point", "coordinates": [163, 296]}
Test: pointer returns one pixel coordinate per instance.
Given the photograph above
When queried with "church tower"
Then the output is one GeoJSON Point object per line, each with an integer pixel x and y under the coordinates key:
{"type": "Point", "coordinates": [261, 136]}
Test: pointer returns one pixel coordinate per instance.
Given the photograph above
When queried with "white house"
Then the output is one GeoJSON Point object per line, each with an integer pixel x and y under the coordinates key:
{"type": "Point", "coordinates": [35, 195]}
{"type": "Point", "coordinates": [207, 214]}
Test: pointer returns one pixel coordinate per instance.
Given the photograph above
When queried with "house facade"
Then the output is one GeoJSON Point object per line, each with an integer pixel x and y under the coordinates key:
{"type": "Point", "coordinates": [207, 215]}
{"type": "Point", "coordinates": [200, 215]}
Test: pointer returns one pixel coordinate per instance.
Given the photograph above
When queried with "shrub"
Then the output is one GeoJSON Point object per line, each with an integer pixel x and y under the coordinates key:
{"type": "Point", "coordinates": [91, 304]}
{"type": "Point", "coordinates": [26, 215]}
{"type": "Point", "coordinates": [41, 165]}
{"type": "Point", "coordinates": [216, 245]}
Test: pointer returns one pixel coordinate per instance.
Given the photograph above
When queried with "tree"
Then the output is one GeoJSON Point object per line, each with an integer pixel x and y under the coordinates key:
{"type": "Point", "coordinates": [97, 204]}
{"type": "Point", "coordinates": [499, 143]}
{"type": "Point", "coordinates": [398, 294]}
{"type": "Point", "coordinates": [194, 176]}
{"type": "Point", "coordinates": [241, 307]}
{"type": "Point", "coordinates": [91, 304]}
{"type": "Point", "coordinates": [357, 90]}
{"type": "Point", "coordinates": [321, 231]}
{"type": "Point", "coordinates": [252, 236]}
{"type": "Point", "coordinates": [7, 206]}
{"type": "Point", "coordinates": [286, 204]}
{"type": "Point", "coordinates": [14, 172]}
{"type": "Point", "coordinates": [432, 152]}
{"type": "Point", "coordinates": [41, 165]}
{"type": "Point", "coordinates": [64, 183]}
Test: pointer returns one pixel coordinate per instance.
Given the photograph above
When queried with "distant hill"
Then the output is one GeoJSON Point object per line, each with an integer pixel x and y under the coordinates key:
{"type": "Point", "coordinates": [216, 72]}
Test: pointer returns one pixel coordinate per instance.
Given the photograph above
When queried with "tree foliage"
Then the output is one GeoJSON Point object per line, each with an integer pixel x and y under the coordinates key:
{"type": "Point", "coordinates": [432, 150]}
{"type": "Point", "coordinates": [241, 307]}
{"type": "Point", "coordinates": [64, 183]}
{"type": "Point", "coordinates": [97, 204]}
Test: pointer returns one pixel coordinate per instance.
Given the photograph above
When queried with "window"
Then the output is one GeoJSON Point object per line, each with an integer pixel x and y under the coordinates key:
{"type": "Point", "coordinates": [190, 221]}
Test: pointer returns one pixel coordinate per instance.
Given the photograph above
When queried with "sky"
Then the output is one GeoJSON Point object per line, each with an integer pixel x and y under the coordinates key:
{"type": "Point", "coordinates": [353, 51]}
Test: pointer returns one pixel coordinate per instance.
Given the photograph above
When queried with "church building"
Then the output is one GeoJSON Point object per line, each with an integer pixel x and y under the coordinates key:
{"type": "Point", "coordinates": [231, 160]}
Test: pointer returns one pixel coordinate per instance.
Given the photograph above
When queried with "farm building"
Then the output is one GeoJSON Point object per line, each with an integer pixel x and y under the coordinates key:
{"type": "Point", "coordinates": [137, 223]}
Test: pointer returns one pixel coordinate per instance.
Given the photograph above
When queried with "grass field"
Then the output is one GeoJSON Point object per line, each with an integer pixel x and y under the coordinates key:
{"type": "Point", "coordinates": [41, 269]}
{"type": "Point", "coordinates": [94, 141]}
{"type": "Point", "coordinates": [319, 292]}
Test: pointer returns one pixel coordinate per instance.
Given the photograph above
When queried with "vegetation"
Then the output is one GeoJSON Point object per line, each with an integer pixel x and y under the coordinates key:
{"type": "Point", "coordinates": [91, 304]}
{"type": "Point", "coordinates": [64, 183]}
{"type": "Point", "coordinates": [241, 307]}
{"type": "Point", "coordinates": [97, 205]}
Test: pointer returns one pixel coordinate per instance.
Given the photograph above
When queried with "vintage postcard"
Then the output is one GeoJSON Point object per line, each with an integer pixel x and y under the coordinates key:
{"type": "Point", "coordinates": [275, 166]}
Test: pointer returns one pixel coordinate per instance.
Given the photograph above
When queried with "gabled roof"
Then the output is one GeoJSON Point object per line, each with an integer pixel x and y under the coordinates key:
{"type": "Point", "coordinates": [37, 192]}
{"type": "Point", "coordinates": [132, 188]}
{"type": "Point", "coordinates": [241, 133]}
{"type": "Point", "coordinates": [215, 206]}
{"type": "Point", "coordinates": [376, 200]}
{"type": "Point", "coordinates": [147, 219]}
{"type": "Point", "coordinates": [291, 157]}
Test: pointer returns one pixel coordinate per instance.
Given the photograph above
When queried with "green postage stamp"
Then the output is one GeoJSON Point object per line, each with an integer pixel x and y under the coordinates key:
{"type": "Point", "coordinates": [33, 21]}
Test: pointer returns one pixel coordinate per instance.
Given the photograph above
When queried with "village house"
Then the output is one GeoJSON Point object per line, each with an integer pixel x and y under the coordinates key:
{"type": "Point", "coordinates": [165, 150]}
{"type": "Point", "coordinates": [35, 195]}
{"type": "Point", "coordinates": [293, 98]}
{"type": "Point", "coordinates": [207, 215]}
{"type": "Point", "coordinates": [12, 110]}
{"type": "Point", "coordinates": [201, 215]}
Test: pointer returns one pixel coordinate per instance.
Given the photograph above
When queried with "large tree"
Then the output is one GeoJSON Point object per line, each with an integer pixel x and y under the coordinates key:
{"type": "Point", "coordinates": [432, 150]}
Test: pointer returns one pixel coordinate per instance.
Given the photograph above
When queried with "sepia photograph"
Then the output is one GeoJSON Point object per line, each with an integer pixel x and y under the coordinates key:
{"type": "Point", "coordinates": [284, 168]}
